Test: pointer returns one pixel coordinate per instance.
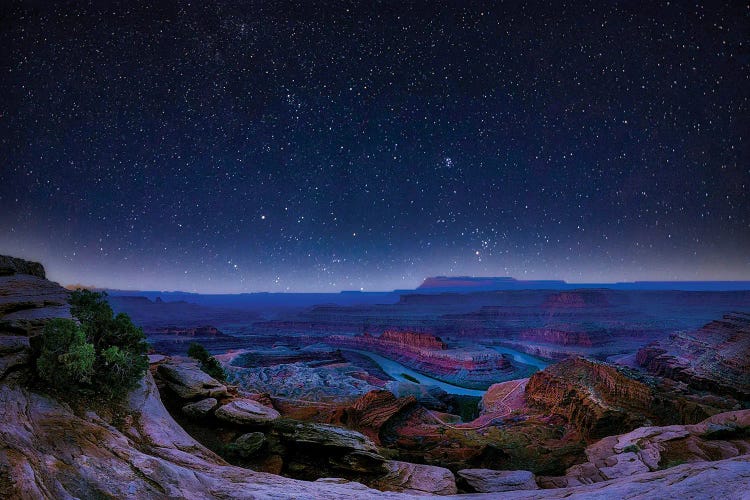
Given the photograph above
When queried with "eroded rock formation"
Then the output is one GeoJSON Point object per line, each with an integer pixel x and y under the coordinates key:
{"type": "Point", "coordinates": [598, 399]}
{"type": "Point", "coordinates": [64, 446]}
{"type": "Point", "coordinates": [715, 357]}
{"type": "Point", "coordinates": [469, 367]}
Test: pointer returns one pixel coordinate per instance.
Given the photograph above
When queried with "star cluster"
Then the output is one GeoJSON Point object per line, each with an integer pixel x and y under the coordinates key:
{"type": "Point", "coordinates": [243, 146]}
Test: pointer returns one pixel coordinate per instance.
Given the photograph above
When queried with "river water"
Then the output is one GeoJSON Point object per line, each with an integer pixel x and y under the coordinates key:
{"type": "Point", "coordinates": [397, 370]}
{"type": "Point", "coordinates": [522, 357]}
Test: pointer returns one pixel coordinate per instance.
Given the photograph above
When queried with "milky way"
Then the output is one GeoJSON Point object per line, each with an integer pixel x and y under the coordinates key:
{"type": "Point", "coordinates": [229, 146]}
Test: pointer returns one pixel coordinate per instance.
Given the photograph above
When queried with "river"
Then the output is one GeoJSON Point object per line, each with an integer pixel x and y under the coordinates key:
{"type": "Point", "coordinates": [522, 357]}
{"type": "Point", "coordinates": [397, 370]}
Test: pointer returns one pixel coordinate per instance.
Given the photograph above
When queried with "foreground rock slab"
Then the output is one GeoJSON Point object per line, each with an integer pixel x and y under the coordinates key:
{"type": "Point", "coordinates": [725, 479]}
{"type": "Point", "coordinates": [246, 412]}
{"type": "Point", "coordinates": [416, 478]}
{"type": "Point", "coordinates": [48, 452]}
{"type": "Point", "coordinates": [201, 408]}
{"type": "Point", "coordinates": [494, 481]}
{"type": "Point", "coordinates": [189, 382]}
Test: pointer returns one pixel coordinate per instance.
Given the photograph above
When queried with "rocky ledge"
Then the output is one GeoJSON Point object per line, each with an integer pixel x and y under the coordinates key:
{"type": "Point", "coordinates": [599, 399]}
{"type": "Point", "coordinates": [715, 357]}
{"type": "Point", "coordinates": [248, 431]}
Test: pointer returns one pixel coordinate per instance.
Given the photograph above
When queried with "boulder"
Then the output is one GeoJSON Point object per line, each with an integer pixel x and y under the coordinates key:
{"type": "Point", "coordinates": [324, 435]}
{"type": "Point", "coordinates": [313, 448]}
{"type": "Point", "coordinates": [417, 479]}
{"type": "Point", "coordinates": [188, 381]}
{"type": "Point", "coordinates": [247, 444]}
{"type": "Point", "coordinates": [495, 481]}
{"type": "Point", "coordinates": [201, 408]}
{"type": "Point", "coordinates": [651, 449]}
{"type": "Point", "coordinates": [623, 465]}
{"type": "Point", "coordinates": [246, 412]}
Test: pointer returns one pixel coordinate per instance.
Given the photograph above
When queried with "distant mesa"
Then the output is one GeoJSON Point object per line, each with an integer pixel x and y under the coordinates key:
{"type": "Point", "coordinates": [468, 284]}
{"type": "Point", "coordinates": [483, 283]}
{"type": "Point", "coordinates": [576, 300]}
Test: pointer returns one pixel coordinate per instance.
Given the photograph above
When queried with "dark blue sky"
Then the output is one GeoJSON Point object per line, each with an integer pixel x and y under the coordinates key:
{"type": "Point", "coordinates": [243, 146]}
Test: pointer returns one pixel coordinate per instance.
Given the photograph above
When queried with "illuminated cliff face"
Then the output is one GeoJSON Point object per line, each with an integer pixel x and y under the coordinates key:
{"type": "Point", "coordinates": [429, 353]}
{"type": "Point", "coordinates": [412, 340]}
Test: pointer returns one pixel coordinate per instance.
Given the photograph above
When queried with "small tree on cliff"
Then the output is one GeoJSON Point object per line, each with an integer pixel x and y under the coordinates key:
{"type": "Point", "coordinates": [66, 360]}
{"type": "Point", "coordinates": [103, 352]}
{"type": "Point", "coordinates": [209, 364]}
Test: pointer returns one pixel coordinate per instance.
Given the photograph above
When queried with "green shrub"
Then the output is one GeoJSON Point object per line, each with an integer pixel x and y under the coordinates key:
{"type": "Point", "coordinates": [66, 360]}
{"type": "Point", "coordinates": [631, 448]}
{"type": "Point", "coordinates": [197, 351]}
{"type": "Point", "coordinates": [209, 364]}
{"type": "Point", "coordinates": [103, 353]}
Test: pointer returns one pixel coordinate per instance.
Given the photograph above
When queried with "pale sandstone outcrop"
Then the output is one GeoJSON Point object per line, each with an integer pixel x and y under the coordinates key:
{"type": "Point", "coordinates": [246, 412]}
{"type": "Point", "coordinates": [188, 381]}
{"type": "Point", "coordinates": [495, 481]}
{"type": "Point", "coordinates": [416, 478]}
{"type": "Point", "coordinates": [200, 409]}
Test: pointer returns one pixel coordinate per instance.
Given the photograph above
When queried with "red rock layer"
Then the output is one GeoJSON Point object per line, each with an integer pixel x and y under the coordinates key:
{"type": "Point", "coordinates": [715, 357]}
{"type": "Point", "coordinates": [412, 340]}
{"type": "Point", "coordinates": [430, 353]}
{"type": "Point", "coordinates": [559, 337]}
{"type": "Point", "coordinates": [372, 411]}
{"type": "Point", "coordinates": [596, 399]}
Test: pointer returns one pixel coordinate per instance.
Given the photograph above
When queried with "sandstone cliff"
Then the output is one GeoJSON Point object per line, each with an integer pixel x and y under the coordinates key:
{"type": "Point", "coordinates": [598, 399]}
{"type": "Point", "coordinates": [53, 449]}
{"type": "Point", "coordinates": [715, 357]}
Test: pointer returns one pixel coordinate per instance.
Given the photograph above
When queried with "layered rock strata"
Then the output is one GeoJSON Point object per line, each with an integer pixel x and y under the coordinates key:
{"type": "Point", "coordinates": [713, 358]}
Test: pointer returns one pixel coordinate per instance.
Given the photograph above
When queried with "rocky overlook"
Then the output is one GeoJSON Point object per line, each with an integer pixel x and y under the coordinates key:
{"type": "Point", "coordinates": [52, 449]}
{"type": "Point", "coordinates": [59, 446]}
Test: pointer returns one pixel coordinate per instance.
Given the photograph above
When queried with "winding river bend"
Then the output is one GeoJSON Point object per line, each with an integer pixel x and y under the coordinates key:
{"type": "Point", "coordinates": [397, 371]}
{"type": "Point", "coordinates": [522, 357]}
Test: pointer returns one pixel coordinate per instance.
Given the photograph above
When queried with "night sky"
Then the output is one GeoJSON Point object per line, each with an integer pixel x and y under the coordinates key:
{"type": "Point", "coordinates": [250, 146]}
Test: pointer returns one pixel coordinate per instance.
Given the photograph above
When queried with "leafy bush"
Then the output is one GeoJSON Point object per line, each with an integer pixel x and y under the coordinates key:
{"type": "Point", "coordinates": [209, 364]}
{"type": "Point", "coordinates": [66, 358]}
{"type": "Point", "coordinates": [104, 353]}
